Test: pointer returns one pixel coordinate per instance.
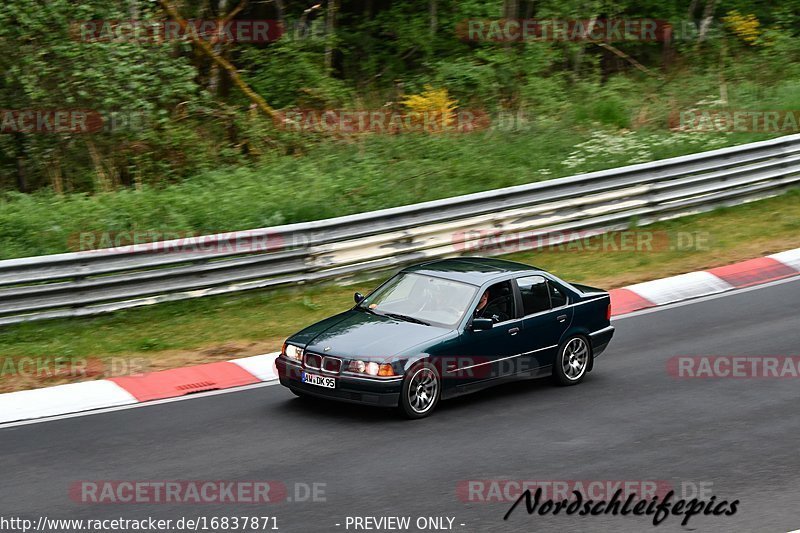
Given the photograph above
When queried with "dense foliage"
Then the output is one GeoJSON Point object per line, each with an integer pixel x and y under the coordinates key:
{"type": "Point", "coordinates": [196, 142]}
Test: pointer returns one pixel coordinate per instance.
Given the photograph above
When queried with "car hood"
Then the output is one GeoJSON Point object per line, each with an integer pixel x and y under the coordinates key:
{"type": "Point", "coordinates": [364, 335]}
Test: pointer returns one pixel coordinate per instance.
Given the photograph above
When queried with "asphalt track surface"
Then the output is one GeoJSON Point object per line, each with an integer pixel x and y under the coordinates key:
{"type": "Point", "coordinates": [629, 420]}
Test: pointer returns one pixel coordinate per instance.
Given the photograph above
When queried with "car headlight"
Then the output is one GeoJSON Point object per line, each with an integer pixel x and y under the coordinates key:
{"type": "Point", "coordinates": [292, 352]}
{"type": "Point", "coordinates": [371, 368]}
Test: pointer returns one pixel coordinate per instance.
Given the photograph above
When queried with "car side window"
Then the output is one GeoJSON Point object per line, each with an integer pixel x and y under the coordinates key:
{"type": "Point", "coordinates": [557, 295]}
{"type": "Point", "coordinates": [497, 303]}
{"type": "Point", "coordinates": [535, 295]}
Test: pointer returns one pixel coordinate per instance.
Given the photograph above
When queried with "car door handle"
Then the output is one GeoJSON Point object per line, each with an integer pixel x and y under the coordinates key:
{"type": "Point", "coordinates": [513, 331]}
{"type": "Point", "coordinates": [562, 318]}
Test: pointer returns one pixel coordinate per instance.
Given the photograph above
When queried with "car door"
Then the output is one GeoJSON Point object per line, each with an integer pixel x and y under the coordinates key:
{"type": "Point", "coordinates": [546, 316]}
{"type": "Point", "coordinates": [489, 354]}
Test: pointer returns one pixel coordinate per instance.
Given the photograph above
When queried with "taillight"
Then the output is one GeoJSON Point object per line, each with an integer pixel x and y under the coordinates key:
{"type": "Point", "coordinates": [608, 312]}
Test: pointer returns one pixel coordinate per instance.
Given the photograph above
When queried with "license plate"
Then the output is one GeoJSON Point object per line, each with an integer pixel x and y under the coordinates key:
{"type": "Point", "coordinates": [319, 381]}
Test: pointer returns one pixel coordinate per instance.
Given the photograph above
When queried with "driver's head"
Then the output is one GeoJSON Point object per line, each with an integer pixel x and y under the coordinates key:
{"type": "Point", "coordinates": [484, 299]}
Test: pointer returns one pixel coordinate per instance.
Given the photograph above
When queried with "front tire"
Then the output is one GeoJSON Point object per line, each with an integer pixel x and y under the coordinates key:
{"type": "Point", "coordinates": [573, 361]}
{"type": "Point", "coordinates": [422, 388]}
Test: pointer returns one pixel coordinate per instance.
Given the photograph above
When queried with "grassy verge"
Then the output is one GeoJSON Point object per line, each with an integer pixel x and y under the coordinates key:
{"type": "Point", "coordinates": [219, 328]}
{"type": "Point", "coordinates": [335, 178]}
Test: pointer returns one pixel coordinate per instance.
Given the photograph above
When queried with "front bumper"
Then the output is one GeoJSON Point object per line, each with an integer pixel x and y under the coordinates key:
{"type": "Point", "coordinates": [362, 390]}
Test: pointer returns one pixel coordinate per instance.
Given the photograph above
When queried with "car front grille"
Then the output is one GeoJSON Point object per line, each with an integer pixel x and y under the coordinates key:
{"type": "Point", "coordinates": [313, 360]}
{"type": "Point", "coordinates": [332, 365]}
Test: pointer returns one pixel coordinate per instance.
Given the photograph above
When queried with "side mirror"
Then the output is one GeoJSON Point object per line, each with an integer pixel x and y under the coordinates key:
{"type": "Point", "coordinates": [358, 297]}
{"type": "Point", "coordinates": [479, 324]}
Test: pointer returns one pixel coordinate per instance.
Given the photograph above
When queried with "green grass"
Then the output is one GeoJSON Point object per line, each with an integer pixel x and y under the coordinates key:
{"type": "Point", "coordinates": [206, 329]}
{"type": "Point", "coordinates": [335, 178]}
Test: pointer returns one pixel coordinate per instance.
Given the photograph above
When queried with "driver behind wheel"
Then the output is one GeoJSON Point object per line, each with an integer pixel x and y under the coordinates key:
{"type": "Point", "coordinates": [491, 306]}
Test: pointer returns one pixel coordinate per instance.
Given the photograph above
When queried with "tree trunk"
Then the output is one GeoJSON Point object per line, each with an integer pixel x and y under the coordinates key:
{"type": "Point", "coordinates": [330, 29]}
{"type": "Point", "coordinates": [303, 29]}
{"type": "Point", "coordinates": [692, 9]}
{"type": "Point", "coordinates": [434, 17]}
{"type": "Point", "coordinates": [214, 73]}
{"type": "Point", "coordinates": [56, 179]}
{"type": "Point", "coordinates": [19, 142]}
{"type": "Point", "coordinates": [510, 9]}
{"type": "Point", "coordinates": [279, 12]}
{"type": "Point", "coordinates": [708, 17]}
{"type": "Point", "coordinates": [102, 182]}
{"type": "Point", "coordinates": [529, 10]}
{"type": "Point", "coordinates": [577, 57]}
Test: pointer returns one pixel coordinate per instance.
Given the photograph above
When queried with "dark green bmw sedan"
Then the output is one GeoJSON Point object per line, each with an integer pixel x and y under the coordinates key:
{"type": "Point", "coordinates": [449, 327]}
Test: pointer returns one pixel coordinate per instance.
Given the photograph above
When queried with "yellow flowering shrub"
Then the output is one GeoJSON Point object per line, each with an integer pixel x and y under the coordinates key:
{"type": "Point", "coordinates": [433, 106]}
{"type": "Point", "coordinates": [746, 27]}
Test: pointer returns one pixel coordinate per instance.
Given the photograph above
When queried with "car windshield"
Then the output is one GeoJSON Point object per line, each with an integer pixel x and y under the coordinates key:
{"type": "Point", "coordinates": [421, 299]}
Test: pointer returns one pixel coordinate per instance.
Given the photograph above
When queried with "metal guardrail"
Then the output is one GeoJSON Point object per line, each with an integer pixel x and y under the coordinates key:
{"type": "Point", "coordinates": [97, 281]}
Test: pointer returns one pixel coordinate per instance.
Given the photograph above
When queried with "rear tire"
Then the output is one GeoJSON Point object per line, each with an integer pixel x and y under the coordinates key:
{"type": "Point", "coordinates": [573, 361]}
{"type": "Point", "coordinates": [422, 388]}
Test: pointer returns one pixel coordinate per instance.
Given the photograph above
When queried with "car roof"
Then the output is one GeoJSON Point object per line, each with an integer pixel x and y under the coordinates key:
{"type": "Point", "coordinates": [474, 270]}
